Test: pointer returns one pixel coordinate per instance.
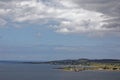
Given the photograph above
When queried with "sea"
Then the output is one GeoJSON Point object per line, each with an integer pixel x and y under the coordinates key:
{"type": "Point", "coordinates": [14, 71]}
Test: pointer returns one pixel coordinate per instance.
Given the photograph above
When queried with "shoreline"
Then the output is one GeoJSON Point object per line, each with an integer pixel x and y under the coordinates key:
{"type": "Point", "coordinates": [79, 69]}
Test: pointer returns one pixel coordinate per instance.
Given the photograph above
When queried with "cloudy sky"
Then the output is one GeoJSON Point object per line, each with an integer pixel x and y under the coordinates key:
{"type": "Point", "coordinates": [59, 29]}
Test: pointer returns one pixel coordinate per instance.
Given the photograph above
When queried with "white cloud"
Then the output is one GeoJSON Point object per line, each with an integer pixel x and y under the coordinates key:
{"type": "Point", "coordinates": [4, 11]}
{"type": "Point", "coordinates": [80, 20]}
{"type": "Point", "coordinates": [70, 17]}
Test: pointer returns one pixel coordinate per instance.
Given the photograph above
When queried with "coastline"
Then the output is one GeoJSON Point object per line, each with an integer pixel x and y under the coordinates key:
{"type": "Point", "coordinates": [90, 68]}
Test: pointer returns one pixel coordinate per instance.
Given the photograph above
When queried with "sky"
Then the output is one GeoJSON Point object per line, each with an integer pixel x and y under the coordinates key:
{"type": "Point", "coordinates": [59, 29]}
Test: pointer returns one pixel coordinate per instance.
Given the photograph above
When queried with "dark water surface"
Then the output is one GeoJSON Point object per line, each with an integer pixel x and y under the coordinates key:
{"type": "Point", "coordinates": [46, 72]}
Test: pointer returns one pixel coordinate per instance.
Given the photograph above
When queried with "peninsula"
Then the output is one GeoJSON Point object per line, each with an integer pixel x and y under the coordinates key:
{"type": "Point", "coordinates": [87, 64]}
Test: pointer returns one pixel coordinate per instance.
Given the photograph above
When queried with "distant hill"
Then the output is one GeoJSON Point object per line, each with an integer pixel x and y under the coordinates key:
{"type": "Point", "coordinates": [84, 61]}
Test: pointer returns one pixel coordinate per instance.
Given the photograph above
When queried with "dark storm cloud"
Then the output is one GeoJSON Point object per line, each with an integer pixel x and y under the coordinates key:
{"type": "Point", "coordinates": [107, 7]}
